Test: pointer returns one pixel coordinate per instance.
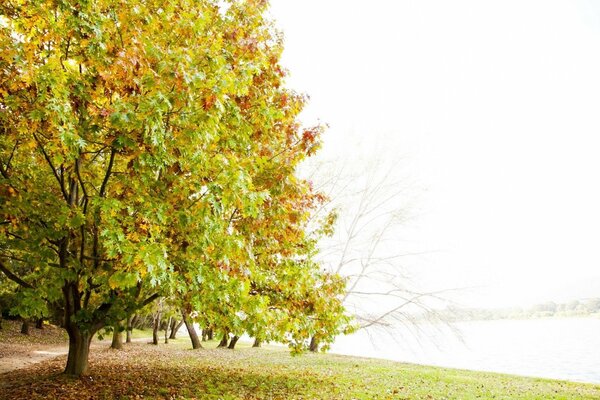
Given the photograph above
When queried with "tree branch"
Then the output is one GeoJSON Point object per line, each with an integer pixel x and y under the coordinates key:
{"type": "Point", "coordinates": [150, 300]}
{"type": "Point", "coordinates": [14, 277]}
{"type": "Point", "coordinates": [4, 169]}
{"type": "Point", "coordinates": [108, 172]}
{"type": "Point", "coordinates": [54, 171]}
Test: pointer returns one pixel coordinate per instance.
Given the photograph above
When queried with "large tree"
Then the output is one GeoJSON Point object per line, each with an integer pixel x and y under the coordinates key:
{"type": "Point", "coordinates": [133, 135]}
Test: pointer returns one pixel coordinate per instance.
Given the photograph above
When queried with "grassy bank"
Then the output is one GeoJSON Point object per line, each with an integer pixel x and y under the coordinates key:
{"type": "Point", "coordinates": [173, 372]}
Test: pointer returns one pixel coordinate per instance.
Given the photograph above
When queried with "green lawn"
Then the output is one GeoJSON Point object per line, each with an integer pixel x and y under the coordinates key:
{"type": "Point", "coordinates": [174, 372]}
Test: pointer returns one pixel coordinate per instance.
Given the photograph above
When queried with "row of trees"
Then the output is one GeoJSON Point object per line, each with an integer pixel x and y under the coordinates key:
{"type": "Point", "coordinates": [148, 150]}
{"type": "Point", "coordinates": [574, 308]}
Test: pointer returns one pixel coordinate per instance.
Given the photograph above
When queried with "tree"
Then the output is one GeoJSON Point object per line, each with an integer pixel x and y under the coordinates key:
{"type": "Point", "coordinates": [117, 337]}
{"type": "Point", "coordinates": [273, 295]}
{"type": "Point", "coordinates": [174, 327]}
{"type": "Point", "coordinates": [592, 305]}
{"type": "Point", "coordinates": [131, 139]}
{"type": "Point", "coordinates": [368, 205]}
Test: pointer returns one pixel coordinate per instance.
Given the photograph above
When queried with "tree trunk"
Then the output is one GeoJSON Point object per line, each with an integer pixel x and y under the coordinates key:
{"type": "Point", "coordinates": [129, 328]}
{"type": "Point", "coordinates": [79, 349]}
{"type": "Point", "coordinates": [225, 340]}
{"type": "Point", "coordinates": [233, 342]}
{"type": "Point", "coordinates": [57, 314]}
{"type": "Point", "coordinates": [117, 339]}
{"type": "Point", "coordinates": [172, 324]}
{"type": "Point", "coordinates": [192, 331]}
{"type": "Point", "coordinates": [39, 323]}
{"type": "Point", "coordinates": [207, 334]}
{"type": "Point", "coordinates": [155, 329]}
{"type": "Point", "coordinates": [141, 322]}
{"type": "Point", "coordinates": [25, 327]}
{"type": "Point", "coordinates": [164, 325]}
{"type": "Point", "coordinates": [79, 337]}
{"type": "Point", "coordinates": [314, 344]}
{"type": "Point", "coordinates": [135, 320]}
{"type": "Point", "coordinates": [175, 328]}
{"type": "Point", "coordinates": [257, 342]}
{"type": "Point", "coordinates": [167, 326]}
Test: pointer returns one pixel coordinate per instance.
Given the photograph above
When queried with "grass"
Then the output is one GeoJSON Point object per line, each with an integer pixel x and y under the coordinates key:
{"type": "Point", "coordinates": [145, 333]}
{"type": "Point", "coordinates": [174, 372]}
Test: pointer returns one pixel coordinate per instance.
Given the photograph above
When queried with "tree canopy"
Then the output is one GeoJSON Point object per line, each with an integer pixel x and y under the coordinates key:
{"type": "Point", "coordinates": [149, 149]}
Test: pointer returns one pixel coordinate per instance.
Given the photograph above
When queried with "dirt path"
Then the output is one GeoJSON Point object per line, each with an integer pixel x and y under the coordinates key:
{"type": "Point", "coordinates": [19, 356]}
{"type": "Point", "coordinates": [26, 355]}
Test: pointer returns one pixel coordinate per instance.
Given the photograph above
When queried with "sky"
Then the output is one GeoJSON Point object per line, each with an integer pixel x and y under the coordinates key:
{"type": "Point", "coordinates": [491, 108]}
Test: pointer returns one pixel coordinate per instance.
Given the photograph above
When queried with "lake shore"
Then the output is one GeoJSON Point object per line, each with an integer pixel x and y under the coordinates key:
{"type": "Point", "coordinates": [554, 348]}
{"type": "Point", "coordinates": [174, 372]}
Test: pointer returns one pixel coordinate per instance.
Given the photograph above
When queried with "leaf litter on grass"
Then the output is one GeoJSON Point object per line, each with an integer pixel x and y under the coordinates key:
{"type": "Point", "coordinates": [143, 371]}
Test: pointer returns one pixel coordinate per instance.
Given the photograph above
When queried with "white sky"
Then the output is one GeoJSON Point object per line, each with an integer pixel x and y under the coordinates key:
{"type": "Point", "coordinates": [494, 107]}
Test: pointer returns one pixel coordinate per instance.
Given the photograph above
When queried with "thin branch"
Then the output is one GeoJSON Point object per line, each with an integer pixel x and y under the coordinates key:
{"type": "Point", "coordinates": [4, 170]}
{"type": "Point", "coordinates": [54, 171]}
{"type": "Point", "coordinates": [413, 300]}
{"type": "Point", "coordinates": [78, 172]}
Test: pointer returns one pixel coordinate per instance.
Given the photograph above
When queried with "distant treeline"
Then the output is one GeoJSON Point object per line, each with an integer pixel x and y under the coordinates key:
{"type": "Point", "coordinates": [575, 308]}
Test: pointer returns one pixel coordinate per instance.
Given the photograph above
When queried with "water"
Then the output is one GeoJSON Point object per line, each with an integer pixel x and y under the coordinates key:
{"type": "Point", "coordinates": [566, 349]}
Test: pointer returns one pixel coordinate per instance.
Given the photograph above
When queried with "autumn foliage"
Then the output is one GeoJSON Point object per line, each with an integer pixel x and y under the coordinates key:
{"type": "Point", "coordinates": [148, 150]}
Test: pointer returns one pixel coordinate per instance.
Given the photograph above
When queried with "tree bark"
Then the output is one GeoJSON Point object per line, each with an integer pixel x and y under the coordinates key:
{"type": "Point", "coordinates": [314, 344]}
{"type": "Point", "coordinates": [117, 339]}
{"type": "Point", "coordinates": [155, 329]}
{"type": "Point", "coordinates": [39, 323]}
{"type": "Point", "coordinates": [25, 327]}
{"type": "Point", "coordinates": [233, 342]}
{"type": "Point", "coordinates": [79, 350]}
{"type": "Point", "coordinates": [224, 340]}
{"type": "Point", "coordinates": [192, 331]}
{"type": "Point", "coordinates": [257, 343]}
{"type": "Point", "coordinates": [210, 334]}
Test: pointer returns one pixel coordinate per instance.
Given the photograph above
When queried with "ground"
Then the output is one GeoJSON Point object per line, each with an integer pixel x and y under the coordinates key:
{"type": "Point", "coordinates": [173, 371]}
{"type": "Point", "coordinates": [19, 351]}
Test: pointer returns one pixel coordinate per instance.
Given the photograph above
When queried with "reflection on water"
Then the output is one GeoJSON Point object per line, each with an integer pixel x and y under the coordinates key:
{"type": "Point", "coordinates": [552, 348]}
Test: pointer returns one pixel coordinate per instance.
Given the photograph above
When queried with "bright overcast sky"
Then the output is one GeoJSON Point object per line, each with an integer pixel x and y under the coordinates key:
{"type": "Point", "coordinates": [494, 107]}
